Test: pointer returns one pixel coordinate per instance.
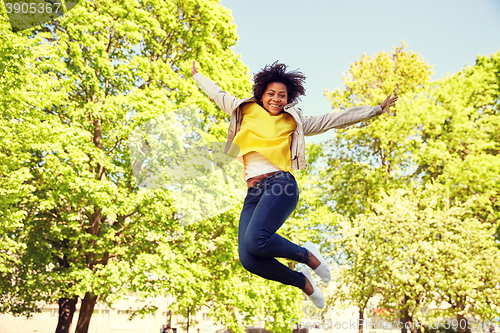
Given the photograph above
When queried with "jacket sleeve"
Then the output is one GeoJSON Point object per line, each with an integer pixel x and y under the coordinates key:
{"type": "Point", "coordinates": [225, 101]}
{"type": "Point", "coordinates": [319, 124]}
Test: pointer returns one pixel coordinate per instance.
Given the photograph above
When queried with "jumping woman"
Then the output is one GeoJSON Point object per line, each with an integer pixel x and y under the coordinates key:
{"type": "Point", "coordinates": [269, 131]}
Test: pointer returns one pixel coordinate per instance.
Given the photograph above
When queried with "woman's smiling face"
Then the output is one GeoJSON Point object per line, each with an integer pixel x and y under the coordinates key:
{"type": "Point", "coordinates": [275, 98]}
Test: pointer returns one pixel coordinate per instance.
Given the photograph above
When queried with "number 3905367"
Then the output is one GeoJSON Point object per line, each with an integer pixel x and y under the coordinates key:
{"type": "Point", "coordinates": [31, 8]}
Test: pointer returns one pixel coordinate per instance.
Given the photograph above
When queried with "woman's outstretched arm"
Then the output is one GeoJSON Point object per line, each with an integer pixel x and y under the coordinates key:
{"type": "Point", "coordinates": [314, 125]}
{"type": "Point", "coordinates": [225, 101]}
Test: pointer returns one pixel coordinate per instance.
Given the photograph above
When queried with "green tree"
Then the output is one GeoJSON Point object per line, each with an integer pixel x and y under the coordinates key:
{"type": "Point", "coordinates": [492, 65]}
{"type": "Point", "coordinates": [457, 141]}
{"type": "Point", "coordinates": [370, 156]}
{"type": "Point", "coordinates": [423, 248]}
{"type": "Point", "coordinates": [24, 130]}
{"type": "Point", "coordinates": [78, 224]}
{"type": "Point", "coordinates": [457, 145]}
{"type": "Point", "coordinates": [365, 159]}
{"type": "Point", "coordinates": [442, 131]}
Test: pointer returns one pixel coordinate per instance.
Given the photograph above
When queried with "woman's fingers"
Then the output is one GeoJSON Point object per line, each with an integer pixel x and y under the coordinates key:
{"type": "Point", "coordinates": [389, 102]}
{"type": "Point", "coordinates": [392, 101]}
{"type": "Point", "coordinates": [193, 68]}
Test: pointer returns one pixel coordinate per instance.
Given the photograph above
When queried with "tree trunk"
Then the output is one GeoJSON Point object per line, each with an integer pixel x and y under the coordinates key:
{"type": "Point", "coordinates": [88, 302]}
{"type": "Point", "coordinates": [67, 309]}
{"type": "Point", "coordinates": [404, 320]}
{"type": "Point", "coordinates": [409, 324]}
{"type": "Point", "coordinates": [407, 320]}
{"type": "Point", "coordinates": [86, 310]}
{"type": "Point", "coordinates": [169, 318]}
{"type": "Point", "coordinates": [361, 320]}
{"type": "Point", "coordinates": [463, 325]}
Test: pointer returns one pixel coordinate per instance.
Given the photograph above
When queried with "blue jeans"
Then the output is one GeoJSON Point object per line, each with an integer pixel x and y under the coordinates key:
{"type": "Point", "coordinates": [266, 207]}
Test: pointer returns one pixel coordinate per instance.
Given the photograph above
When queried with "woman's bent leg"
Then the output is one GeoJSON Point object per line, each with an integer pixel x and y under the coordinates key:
{"type": "Point", "coordinates": [267, 205]}
{"type": "Point", "coordinates": [278, 200]}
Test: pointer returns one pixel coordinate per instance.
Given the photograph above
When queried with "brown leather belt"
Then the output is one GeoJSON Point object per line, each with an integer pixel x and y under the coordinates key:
{"type": "Point", "coordinates": [254, 180]}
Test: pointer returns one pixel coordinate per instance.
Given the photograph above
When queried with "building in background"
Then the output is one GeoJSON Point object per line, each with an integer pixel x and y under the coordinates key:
{"type": "Point", "coordinates": [114, 320]}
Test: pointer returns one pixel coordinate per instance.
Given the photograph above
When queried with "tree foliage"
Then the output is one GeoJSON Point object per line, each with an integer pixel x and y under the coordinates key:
{"type": "Point", "coordinates": [74, 221]}
{"type": "Point", "coordinates": [421, 247]}
{"type": "Point", "coordinates": [441, 139]}
{"type": "Point", "coordinates": [372, 155]}
{"type": "Point", "coordinates": [457, 141]}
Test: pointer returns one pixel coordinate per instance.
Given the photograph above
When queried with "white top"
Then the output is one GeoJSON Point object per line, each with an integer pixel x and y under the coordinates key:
{"type": "Point", "coordinates": [256, 165]}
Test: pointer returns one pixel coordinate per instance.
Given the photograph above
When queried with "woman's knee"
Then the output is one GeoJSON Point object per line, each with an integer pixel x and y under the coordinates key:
{"type": "Point", "coordinates": [255, 246]}
{"type": "Point", "coordinates": [250, 264]}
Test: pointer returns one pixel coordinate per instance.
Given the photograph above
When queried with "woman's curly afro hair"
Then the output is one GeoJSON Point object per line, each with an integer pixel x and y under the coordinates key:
{"type": "Point", "coordinates": [276, 72]}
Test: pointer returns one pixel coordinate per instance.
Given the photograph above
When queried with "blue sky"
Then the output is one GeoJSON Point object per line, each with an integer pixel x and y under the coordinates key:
{"type": "Point", "coordinates": [322, 38]}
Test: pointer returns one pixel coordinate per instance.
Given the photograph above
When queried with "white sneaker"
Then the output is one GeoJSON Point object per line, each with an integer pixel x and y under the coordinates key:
{"type": "Point", "coordinates": [316, 297]}
{"type": "Point", "coordinates": [323, 271]}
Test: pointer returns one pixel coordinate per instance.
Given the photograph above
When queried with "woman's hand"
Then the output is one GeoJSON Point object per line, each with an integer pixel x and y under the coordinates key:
{"type": "Point", "coordinates": [389, 101]}
{"type": "Point", "coordinates": [193, 68]}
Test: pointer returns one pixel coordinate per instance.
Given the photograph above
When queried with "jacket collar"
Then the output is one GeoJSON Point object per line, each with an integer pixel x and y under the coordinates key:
{"type": "Point", "coordinates": [289, 108]}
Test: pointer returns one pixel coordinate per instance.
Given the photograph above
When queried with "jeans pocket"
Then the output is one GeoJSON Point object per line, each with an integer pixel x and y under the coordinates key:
{"type": "Point", "coordinates": [255, 191]}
